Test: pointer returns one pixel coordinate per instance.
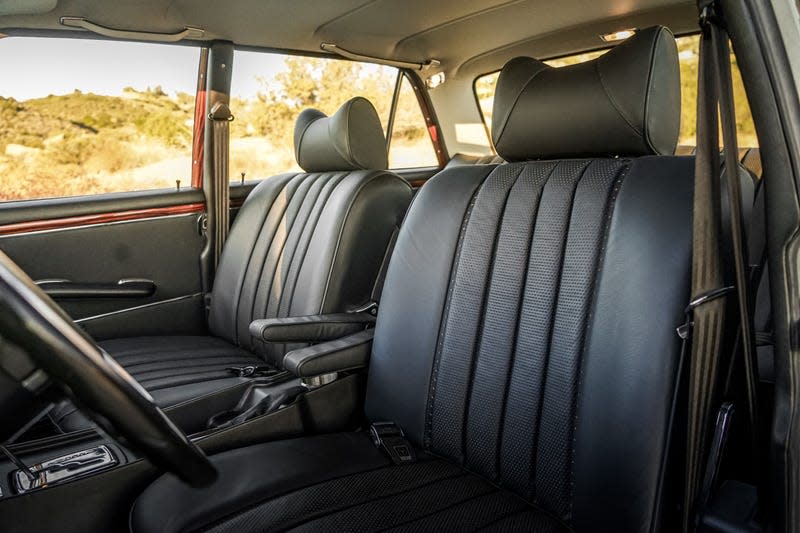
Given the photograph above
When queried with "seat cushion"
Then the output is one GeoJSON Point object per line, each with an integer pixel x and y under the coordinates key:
{"type": "Point", "coordinates": [180, 368]}
{"type": "Point", "coordinates": [338, 482]}
{"type": "Point", "coordinates": [173, 369]}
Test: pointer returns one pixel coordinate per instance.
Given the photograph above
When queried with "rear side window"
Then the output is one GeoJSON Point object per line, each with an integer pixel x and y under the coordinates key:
{"type": "Point", "coordinates": [80, 117]}
{"type": "Point", "coordinates": [269, 90]}
{"type": "Point", "coordinates": [688, 49]}
{"type": "Point", "coordinates": [411, 142]}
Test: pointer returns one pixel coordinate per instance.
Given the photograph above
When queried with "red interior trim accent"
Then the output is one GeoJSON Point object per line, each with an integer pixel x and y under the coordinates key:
{"type": "Point", "coordinates": [434, 133]}
{"type": "Point", "coordinates": [199, 126]}
{"type": "Point", "coordinates": [198, 139]}
{"type": "Point", "coordinates": [100, 218]}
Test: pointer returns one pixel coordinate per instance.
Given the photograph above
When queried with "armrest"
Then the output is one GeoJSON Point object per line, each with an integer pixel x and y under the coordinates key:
{"type": "Point", "coordinates": [347, 353]}
{"type": "Point", "coordinates": [312, 328]}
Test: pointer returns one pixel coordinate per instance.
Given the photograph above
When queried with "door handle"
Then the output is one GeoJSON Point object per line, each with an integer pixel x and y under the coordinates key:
{"type": "Point", "coordinates": [62, 289]}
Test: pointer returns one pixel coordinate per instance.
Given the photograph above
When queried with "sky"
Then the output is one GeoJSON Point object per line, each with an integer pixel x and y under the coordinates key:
{"type": "Point", "coordinates": [35, 67]}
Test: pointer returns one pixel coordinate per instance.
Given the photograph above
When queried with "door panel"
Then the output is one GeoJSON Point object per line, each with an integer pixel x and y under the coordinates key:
{"type": "Point", "coordinates": [163, 250]}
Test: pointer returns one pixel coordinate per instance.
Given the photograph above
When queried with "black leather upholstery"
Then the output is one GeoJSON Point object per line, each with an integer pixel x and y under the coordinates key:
{"type": "Point", "coordinates": [333, 483]}
{"type": "Point", "coordinates": [302, 244]}
{"type": "Point", "coordinates": [313, 328]}
{"type": "Point", "coordinates": [621, 104]}
{"type": "Point", "coordinates": [528, 343]}
{"type": "Point", "coordinates": [350, 139]}
{"type": "Point", "coordinates": [347, 353]}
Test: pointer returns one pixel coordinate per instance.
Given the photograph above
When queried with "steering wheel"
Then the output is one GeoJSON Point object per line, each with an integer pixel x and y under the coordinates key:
{"type": "Point", "coordinates": [68, 358]}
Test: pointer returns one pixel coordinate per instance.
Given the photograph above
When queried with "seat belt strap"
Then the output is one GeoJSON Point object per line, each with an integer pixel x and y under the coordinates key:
{"type": "Point", "coordinates": [715, 94]}
{"type": "Point", "coordinates": [220, 117]}
{"type": "Point", "coordinates": [707, 317]}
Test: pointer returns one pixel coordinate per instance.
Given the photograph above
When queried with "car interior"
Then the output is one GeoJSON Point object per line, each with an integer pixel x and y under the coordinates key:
{"type": "Point", "coordinates": [381, 265]}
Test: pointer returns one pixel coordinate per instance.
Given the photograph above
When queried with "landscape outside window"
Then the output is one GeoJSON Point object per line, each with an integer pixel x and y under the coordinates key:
{"type": "Point", "coordinates": [88, 116]}
{"type": "Point", "coordinates": [688, 48]}
{"type": "Point", "coordinates": [268, 91]}
{"type": "Point", "coordinates": [82, 117]}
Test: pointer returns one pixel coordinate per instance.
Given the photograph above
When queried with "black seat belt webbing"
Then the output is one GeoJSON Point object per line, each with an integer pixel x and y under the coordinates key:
{"type": "Point", "coordinates": [220, 117]}
{"type": "Point", "coordinates": [715, 95]}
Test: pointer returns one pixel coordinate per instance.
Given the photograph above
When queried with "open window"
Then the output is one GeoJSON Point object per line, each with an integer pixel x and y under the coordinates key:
{"type": "Point", "coordinates": [88, 116]}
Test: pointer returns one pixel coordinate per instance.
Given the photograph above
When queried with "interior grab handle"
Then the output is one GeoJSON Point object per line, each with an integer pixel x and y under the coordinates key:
{"type": "Point", "coordinates": [188, 32]}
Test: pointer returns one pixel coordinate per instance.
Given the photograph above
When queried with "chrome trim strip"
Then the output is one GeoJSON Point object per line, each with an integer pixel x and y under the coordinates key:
{"type": "Point", "coordinates": [96, 225]}
{"type": "Point", "coordinates": [138, 307]}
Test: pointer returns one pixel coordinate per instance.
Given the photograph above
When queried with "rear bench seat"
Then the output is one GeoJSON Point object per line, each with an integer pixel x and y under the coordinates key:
{"type": "Point", "coordinates": [303, 243]}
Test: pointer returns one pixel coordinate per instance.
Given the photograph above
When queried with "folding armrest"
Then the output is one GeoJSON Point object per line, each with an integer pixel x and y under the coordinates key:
{"type": "Point", "coordinates": [347, 353]}
{"type": "Point", "coordinates": [312, 328]}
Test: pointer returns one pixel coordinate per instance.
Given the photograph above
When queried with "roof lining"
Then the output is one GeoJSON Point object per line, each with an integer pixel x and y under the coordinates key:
{"type": "Point", "coordinates": [341, 16]}
{"type": "Point", "coordinates": [456, 20]}
{"type": "Point", "coordinates": [457, 69]}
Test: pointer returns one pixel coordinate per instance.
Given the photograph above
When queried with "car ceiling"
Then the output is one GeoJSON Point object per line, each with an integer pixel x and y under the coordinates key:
{"type": "Point", "coordinates": [466, 36]}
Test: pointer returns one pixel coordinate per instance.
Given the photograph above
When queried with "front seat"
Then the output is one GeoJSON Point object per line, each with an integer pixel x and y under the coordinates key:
{"type": "Point", "coordinates": [526, 337]}
{"type": "Point", "coordinates": [303, 243]}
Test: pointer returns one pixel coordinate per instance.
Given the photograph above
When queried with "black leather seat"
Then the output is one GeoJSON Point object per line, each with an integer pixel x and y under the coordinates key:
{"type": "Point", "coordinates": [303, 243]}
{"type": "Point", "coordinates": [526, 337]}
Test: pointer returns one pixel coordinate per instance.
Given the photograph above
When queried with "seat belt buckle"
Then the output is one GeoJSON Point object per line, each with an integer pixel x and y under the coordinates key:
{"type": "Point", "coordinates": [252, 371]}
{"type": "Point", "coordinates": [390, 438]}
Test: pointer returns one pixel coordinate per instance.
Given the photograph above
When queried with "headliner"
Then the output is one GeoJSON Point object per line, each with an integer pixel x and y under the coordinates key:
{"type": "Point", "coordinates": [467, 36]}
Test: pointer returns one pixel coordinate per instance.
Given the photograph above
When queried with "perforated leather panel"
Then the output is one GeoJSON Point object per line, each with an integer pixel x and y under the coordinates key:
{"type": "Point", "coordinates": [504, 384]}
{"type": "Point", "coordinates": [427, 496]}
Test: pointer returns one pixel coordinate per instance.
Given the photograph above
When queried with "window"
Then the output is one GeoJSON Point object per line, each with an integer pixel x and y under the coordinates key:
{"type": "Point", "coordinates": [688, 48]}
{"type": "Point", "coordinates": [268, 91]}
{"type": "Point", "coordinates": [90, 116]}
{"type": "Point", "coordinates": [411, 144]}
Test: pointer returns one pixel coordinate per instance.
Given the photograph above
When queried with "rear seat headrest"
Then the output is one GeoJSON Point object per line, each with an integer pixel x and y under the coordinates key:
{"type": "Point", "coordinates": [624, 103]}
{"type": "Point", "coordinates": [350, 139]}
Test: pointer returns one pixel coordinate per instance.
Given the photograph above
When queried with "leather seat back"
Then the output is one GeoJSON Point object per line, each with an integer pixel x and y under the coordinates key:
{"type": "Point", "coordinates": [311, 242]}
{"type": "Point", "coordinates": [527, 326]}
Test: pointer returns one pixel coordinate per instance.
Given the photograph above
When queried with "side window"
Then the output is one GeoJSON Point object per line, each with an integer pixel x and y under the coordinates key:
{"type": "Point", "coordinates": [269, 90]}
{"type": "Point", "coordinates": [410, 144]}
{"type": "Point", "coordinates": [81, 117]}
{"type": "Point", "coordinates": [688, 52]}
{"type": "Point", "coordinates": [688, 48]}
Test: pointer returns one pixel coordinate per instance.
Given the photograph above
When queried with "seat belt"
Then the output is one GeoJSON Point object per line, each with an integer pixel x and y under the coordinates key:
{"type": "Point", "coordinates": [220, 117]}
{"type": "Point", "coordinates": [706, 310]}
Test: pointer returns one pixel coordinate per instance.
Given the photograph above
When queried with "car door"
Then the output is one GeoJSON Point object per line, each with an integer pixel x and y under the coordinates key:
{"type": "Point", "coordinates": [99, 195]}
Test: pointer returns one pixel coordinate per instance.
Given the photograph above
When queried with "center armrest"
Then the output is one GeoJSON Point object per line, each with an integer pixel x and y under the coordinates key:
{"type": "Point", "coordinates": [312, 328]}
{"type": "Point", "coordinates": [348, 353]}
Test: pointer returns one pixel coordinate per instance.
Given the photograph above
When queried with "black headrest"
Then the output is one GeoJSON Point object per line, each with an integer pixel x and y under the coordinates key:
{"type": "Point", "coordinates": [350, 139]}
{"type": "Point", "coordinates": [627, 102]}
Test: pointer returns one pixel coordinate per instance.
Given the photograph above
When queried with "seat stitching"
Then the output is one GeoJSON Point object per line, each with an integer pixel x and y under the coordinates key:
{"type": "Point", "coordinates": [318, 188]}
{"type": "Point", "coordinates": [278, 495]}
{"type": "Point", "coordinates": [520, 304]}
{"type": "Point", "coordinates": [516, 100]}
{"type": "Point", "coordinates": [609, 212]}
{"type": "Point", "coordinates": [243, 357]}
{"type": "Point", "coordinates": [330, 512]}
{"type": "Point", "coordinates": [481, 321]}
{"type": "Point", "coordinates": [310, 178]}
{"type": "Point", "coordinates": [614, 102]}
{"type": "Point", "coordinates": [258, 236]}
{"type": "Point", "coordinates": [317, 216]}
{"type": "Point", "coordinates": [184, 369]}
{"type": "Point", "coordinates": [378, 174]}
{"type": "Point", "coordinates": [553, 304]}
{"type": "Point", "coordinates": [491, 492]}
{"type": "Point", "coordinates": [428, 429]}
{"type": "Point", "coordinates": [501, 518]}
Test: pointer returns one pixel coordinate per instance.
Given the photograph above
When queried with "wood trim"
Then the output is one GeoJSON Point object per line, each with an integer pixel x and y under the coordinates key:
{"type": "Point", "coordinates": [101, 218]}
